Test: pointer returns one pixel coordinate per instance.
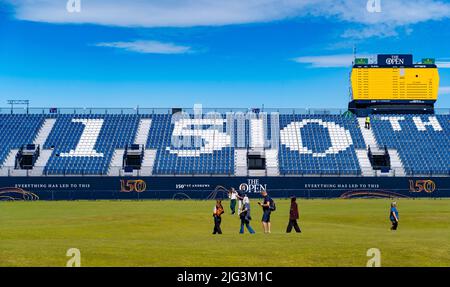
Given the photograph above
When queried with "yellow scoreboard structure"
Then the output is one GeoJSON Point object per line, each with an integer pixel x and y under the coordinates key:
{"type": "Point", "coordinates": [414, 83]}
{"type": "Point", "coordinates": [394, 80]}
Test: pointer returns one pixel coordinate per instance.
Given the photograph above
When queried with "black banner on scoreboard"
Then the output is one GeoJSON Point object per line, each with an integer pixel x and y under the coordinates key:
{"type": "Point", "coordinates": [395, 60]}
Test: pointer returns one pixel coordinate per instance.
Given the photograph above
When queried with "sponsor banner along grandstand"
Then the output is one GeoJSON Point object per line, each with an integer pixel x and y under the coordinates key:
{"type": "Point", "coordinates": [180, 187]}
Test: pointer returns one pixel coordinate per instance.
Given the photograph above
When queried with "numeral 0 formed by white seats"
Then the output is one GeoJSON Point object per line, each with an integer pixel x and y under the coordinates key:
{"type": "Point", "coordinates": [88, 139]}
{"type": "Point", "coordinates": [340, 137]}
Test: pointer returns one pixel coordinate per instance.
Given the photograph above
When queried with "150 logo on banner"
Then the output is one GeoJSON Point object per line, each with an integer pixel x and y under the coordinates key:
{"type": "Point", "coordinates": [137, 185]}
{"type": "Point", "coordinates": [426, 185]}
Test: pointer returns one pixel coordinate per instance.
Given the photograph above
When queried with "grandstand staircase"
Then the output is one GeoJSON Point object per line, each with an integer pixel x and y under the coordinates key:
{"type": "Point", "coordinates": [148, 162]}
{"type": "Point", "coordinates": [45, 154]}
{"type": "Point", "coordinates": [364, 163]}
{"type": "Point", "coordinates": [149, 154]}
{"type": "Point", "coordinates": [41, 162]}
{"type": "Point", "coordinates": [256, 145]}
{"type": "Point", "coordinates": [397, 168]}
{"type": "Point", "coordinates": [240, 162]}
{"type": "Point", "coordinates": [44, 132]}
{"type": "Point", "coordinates": [9, 163]}
{"type": "Point", "coordinates": [256, 150]}
{"type": "Point", "coordinates": [8, 167]}
{"type": "Point", "coordinates": [272, 162]}
{"type": "Point", "coordinates": [363, 158]}
{"type": "Point", "coordinates": [369, 137]}
{"type": "Point", "coordinates": [116, 165]}
{"type": "Point", "coordinates": [256, 134]}
{"type": "Point", "coordinates": [143, 131]}
{"type": "Point", "coordinates": [371, 142]}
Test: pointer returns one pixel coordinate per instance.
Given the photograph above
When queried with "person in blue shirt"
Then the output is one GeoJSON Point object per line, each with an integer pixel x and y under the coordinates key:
{"type": "Point", "coordinates": [266, 206]}
{"type": "Point", "coordinates": [393, 216]}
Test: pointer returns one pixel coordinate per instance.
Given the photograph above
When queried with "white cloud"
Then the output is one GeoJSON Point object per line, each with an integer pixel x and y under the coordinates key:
{"type": "Point", "coordinates": [444, 91]}
{"type": "Point", "coordinates": [443, 64]}
{"type": "Point", "coordinates": [187, 13]}
{"type": "Point", "coordinates": [394, 12]}
{"type": "Point", "coordinates": [329, 61]}
{"type": "Point", "coordinates": [378, 30]}
{"type": "Point", "coordinates": [160, 13]}
{"type": "Point", "coordinates": [148, 47]}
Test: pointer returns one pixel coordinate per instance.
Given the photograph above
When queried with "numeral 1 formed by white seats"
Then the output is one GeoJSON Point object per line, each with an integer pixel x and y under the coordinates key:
{"type": "Point", "coordinates": [88, 139]}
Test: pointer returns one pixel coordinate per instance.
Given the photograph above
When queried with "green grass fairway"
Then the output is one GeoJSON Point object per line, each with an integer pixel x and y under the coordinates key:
{"type": "Point", "coordinates": [178, 233]}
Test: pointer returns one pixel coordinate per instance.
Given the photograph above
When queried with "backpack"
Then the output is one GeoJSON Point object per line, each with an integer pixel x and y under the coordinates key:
{"type": "Point", "coordinates": [272, 206]}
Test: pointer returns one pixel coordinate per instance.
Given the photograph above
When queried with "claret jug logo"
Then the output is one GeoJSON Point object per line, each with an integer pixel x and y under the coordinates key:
{"type": "Point", "coordinates": [130, 185]}
{"type": "Point", "coordinates": [418, 186]}
{"type": "Point", "coordinates": [252, 186]}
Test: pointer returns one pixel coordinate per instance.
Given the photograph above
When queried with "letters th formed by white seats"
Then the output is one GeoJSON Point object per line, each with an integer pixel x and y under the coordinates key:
{"type": "Point", "coordinates": [340, 138]}
{"type": "Point", "coordinates": [88, 139]}
{"type": "Point", "coordinates": [432, 121]}
{"type": "Point", "coordinates": [395, 122]}
{"type": "Point", "coordinates": [420, 125]}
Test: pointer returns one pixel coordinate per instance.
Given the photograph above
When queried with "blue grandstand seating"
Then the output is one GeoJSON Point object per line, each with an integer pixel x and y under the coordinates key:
{"type": "Point", "coordinates": [307, 150]}
{"type": "Point", "coordinates": [17, 130]}
{"type": "Point", "coordinates": [215, 157]}
{"type": "Point", "coordinates": [424, 150]}
{"type": "Point", "coordinates": [109, 132]}
{"type": "Point", "coordinates": [84, 144]}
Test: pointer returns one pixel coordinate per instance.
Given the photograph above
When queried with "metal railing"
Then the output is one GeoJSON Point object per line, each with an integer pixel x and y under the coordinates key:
{"type": "Point", "coordinates": [149, 111]}
{"type": "Point", "coordinates": [118, 171]}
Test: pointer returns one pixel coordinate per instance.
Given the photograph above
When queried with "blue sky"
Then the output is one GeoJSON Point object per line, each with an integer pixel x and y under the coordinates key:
{"type": "Point", "coordinates": [291, 53]}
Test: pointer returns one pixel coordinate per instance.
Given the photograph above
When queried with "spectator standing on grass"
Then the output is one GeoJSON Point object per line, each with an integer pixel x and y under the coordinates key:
{"type": "Point", "coordinates": [268, 206]}
{"type": "Point", "coordinates": [240, 197]}
{"type": "Point", "coordinates": [293, 216]}
{"type": "Point", "coordinates": [393, 215]}
{"type": "Point", "coordinates": [233, 195]}
{"type": "Point", "coordinates": [245, 215]}
{"type": "Point", "coordinates": [217, 214]}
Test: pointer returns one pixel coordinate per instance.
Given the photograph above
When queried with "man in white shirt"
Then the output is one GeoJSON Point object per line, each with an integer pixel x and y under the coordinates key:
{"type": "Point", "coordinates": [232, 194]}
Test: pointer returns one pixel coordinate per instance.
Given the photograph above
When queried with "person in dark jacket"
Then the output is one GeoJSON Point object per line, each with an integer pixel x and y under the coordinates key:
{"type": "Point", "coordinates": [293, 216]}
{"type": "Point", "coordinates": [217, 214]}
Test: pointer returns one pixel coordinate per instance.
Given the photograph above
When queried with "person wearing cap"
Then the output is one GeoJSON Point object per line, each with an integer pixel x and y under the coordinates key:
{"type": "Point", "coordinates": [393, 215]}
{"type": "Point", "coordinates": [244, 214]}
{"type": "Point", "coordinates": [266, 206]}
{"type": "Point", "coordinates": [293, 216]}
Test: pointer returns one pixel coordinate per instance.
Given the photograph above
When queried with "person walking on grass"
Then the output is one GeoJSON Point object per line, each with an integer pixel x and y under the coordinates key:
{"type": "Point", "coordinates": [217, 214]}
{"type": "Point", "coordinates": [233, 195]}
{"type": "Point", "coordinates": [293, 216]}
{"type": "Point", "coordinates": [393, 215]}
{"type": "Point", "coordinates": [245, 216]}
{"type": "Point", "coordinates": [268, 206]}
{"type": "Point", "coordinates": [240, 198]}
